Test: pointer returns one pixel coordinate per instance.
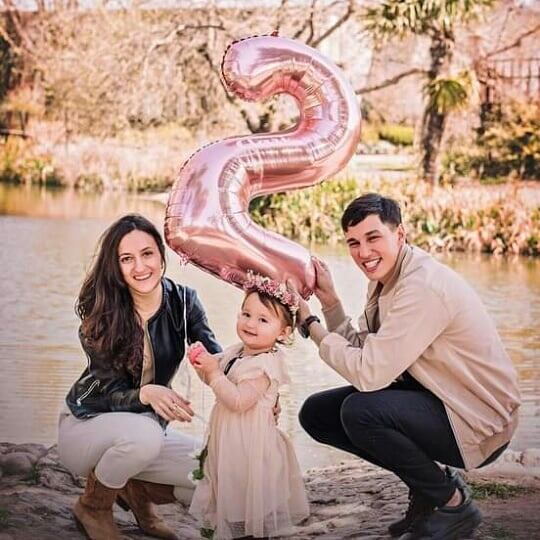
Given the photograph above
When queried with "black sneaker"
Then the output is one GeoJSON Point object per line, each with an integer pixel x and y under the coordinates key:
{"type": "Point", "coordinates": [457, 479]}
{"type": "Point", "coordinates": [419, 507]}
{"type": "Point", "coordinates": [448, 522]}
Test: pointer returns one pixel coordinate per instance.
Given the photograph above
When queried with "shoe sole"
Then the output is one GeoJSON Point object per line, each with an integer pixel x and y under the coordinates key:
{"type": "Point", "coordinates": [460, 531]}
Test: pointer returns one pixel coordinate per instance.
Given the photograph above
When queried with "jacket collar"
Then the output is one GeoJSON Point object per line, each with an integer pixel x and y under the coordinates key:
{"type": "Point", "coordinates": [377, 289]}
{"type": "Point", "coordinates": [404, 255]}
{"type": "Point", "coordinates": [164, 298]}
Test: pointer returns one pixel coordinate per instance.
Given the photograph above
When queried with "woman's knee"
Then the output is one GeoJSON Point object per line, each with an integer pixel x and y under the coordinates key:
{"type": "Point", "coordinates": [124, 438]}
{"type": "Point", "coordinates": [141, 443]}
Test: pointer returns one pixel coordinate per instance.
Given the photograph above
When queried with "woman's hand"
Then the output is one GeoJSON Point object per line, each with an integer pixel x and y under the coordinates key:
{"type": "Point", "coordinates": [166, 402]}
{"type": "Point", "coordinates": [324, 284]}
{"type": "Point", "coordinates": [205, 364]}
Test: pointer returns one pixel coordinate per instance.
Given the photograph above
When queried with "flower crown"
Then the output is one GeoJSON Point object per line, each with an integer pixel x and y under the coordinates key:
{"type": "Point", "coordinates": [263, 284]}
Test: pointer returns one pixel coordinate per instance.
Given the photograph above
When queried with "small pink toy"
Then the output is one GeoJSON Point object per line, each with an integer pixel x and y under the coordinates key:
{"type": "Point", "coordinates": [194, 353]}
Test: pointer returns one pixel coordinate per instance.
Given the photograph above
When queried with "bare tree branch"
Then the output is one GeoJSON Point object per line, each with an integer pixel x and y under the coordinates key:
{"type": "Point", "coordinates": [500, 33]}
{"type": "Point", "coordinates": [169, 38]}
{"type": "Point", "coordinates": [300, 31]}
{"type": "Point", "coordinates": [280, 11]}
{"type": "Point", "coordinates": [108, 69]}
{"type": "Point", "coordinates": [342, 20]}
{"type": "Point", "coordinates": [178, 30]}
{"type": "Point", "coordinates": [310, 20]}
{"type": "Point", "coordinates": [13, 13]}
{"type": "Point", "coordinates": [516, 42]}
{"type": "Point", "coordinates": [391, 81]}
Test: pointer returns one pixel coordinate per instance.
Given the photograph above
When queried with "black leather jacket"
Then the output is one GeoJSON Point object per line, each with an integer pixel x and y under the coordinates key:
{"type": "Point", "coordinates": [101, 389]}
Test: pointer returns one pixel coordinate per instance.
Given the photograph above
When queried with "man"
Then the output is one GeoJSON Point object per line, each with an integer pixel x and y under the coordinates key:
{"type": "Point", "coordinates": [430, 380]}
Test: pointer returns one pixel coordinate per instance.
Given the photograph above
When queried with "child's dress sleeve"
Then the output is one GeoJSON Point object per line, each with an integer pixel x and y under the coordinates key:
{"type": "Point", "coordinates": [242, 396]}
{"type": "Point", "coordinates": [264, 370]}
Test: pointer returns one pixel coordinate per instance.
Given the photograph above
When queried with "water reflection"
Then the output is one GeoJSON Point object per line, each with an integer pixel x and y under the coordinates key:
{"type": "Point", "coordinates": [47, 241]}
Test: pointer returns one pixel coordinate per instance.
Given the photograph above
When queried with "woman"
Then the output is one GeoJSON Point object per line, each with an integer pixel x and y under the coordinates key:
{"type": "Point", "coordinates": [134, 326]}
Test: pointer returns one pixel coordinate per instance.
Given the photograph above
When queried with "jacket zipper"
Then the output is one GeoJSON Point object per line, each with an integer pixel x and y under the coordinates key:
{"type": "Point", "coordinates": [87, 393]}
{"type": "Point", "coordinates": [149, 341]}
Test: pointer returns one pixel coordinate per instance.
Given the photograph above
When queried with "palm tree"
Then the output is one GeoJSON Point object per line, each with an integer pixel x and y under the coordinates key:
{"type": "Point", "coordinates": [437, 20]}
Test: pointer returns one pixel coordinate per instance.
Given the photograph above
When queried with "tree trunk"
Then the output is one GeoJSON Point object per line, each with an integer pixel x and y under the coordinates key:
{"type": "Point", "coordinates": [433, 125]}
{"type": "Point", "coordinates": [433, 121]}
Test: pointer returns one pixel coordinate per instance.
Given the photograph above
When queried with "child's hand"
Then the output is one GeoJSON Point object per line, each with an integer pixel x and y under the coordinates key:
{"type": "Point", "coordinates": [205, 364]}
{"type": "Point", "coordinates": [194, 351]}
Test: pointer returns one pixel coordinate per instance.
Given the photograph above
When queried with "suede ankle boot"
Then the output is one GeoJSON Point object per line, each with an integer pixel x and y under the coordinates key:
{"type": "Point", "coordinates": [93, 511]}
{"type": "Point", "coordinates": [140, 497]}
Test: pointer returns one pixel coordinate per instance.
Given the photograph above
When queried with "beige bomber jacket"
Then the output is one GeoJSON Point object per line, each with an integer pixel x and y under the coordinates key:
{"type": "Point", "coordinates": [433, 324]}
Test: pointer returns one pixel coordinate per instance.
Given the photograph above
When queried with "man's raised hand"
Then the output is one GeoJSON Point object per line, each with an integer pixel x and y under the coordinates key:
{"type": "Point", "coordinates": [324, 284]}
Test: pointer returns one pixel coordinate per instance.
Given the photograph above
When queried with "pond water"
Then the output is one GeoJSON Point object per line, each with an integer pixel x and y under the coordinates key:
{"type": "Point", "coordinates": [48, 239]}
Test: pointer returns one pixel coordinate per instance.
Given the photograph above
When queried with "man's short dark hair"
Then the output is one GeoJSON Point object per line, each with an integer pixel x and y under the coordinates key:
{"type": "Point", "coordinates": [371, 204]}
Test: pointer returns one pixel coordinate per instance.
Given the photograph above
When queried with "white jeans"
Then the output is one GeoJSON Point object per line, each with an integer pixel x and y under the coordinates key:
{"type": "Point", "coordinates": [123, 445]}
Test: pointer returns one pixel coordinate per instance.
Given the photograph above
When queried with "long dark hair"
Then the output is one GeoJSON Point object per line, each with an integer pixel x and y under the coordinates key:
{"type": "Point", "coordinates": [110, 326]}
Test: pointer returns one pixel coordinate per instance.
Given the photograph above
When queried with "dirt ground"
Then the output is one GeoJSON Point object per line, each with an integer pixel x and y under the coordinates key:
{"type": "Point", "coordinates": [349, 500]}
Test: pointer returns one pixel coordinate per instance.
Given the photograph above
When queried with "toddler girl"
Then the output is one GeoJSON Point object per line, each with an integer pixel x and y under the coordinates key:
{"type": "Point", "coordinates": [252, 485]}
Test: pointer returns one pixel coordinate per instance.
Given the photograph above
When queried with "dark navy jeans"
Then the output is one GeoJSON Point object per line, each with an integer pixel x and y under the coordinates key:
{"type": "Point", "coordinates": [403, 428]}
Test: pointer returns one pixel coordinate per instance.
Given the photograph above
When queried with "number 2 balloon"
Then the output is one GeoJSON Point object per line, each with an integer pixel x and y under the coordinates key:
{"type": "Point", "coordinates": [207, 219]}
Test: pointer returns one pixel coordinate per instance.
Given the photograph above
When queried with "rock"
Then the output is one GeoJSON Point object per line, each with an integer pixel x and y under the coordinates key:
{"type": "Point", "coordinates": [351, 500]}
{"type": "Point", "coordinates": [6, 447]}
{"type": "Point", "coordinates": [60, 480]}
{"type": "Point", "coordinates": [510, 456]}
{"type": "Point", "coordinates": [53, 475]}
{"type": "Point", "coordinates": [17, 463]}
{"type": "Point", "coordinates": [531, 458]}
{"type": "Point", "coordinates": [32, 457]}
{"type": "Point", "coordinates": [36, 450]}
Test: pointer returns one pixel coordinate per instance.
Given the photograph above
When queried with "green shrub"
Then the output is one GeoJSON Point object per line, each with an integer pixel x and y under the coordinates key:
{"type": "Point", "coordinates": [397, 134]}
{"type": "Point", "coordinates": [498, 490]}
{"type": "Point", "coordinates": [89, 182]}
{"type": "Point", "coordinates": [19, 165]}
{"type": "Point", "coordinates": [370, 133]}
{"type": "Point", "coordinates": [307, 215]}
{"type": "Point", "coordinates": [149, 184]}
{"type": "Point", "coordinates": [509, 145]}
{"type": "Point", "coordinates": [442, 219]}
{"type": "Point", "coordinates": [513, 144]}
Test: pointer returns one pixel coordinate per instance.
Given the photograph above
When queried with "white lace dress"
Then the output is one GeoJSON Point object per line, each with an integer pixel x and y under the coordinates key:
{"type": "Point", "coordinates": [252, 483]}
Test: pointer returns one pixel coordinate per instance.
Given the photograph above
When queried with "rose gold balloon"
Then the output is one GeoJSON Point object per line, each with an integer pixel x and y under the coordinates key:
{"type": "Point", "coordinates": [207, 220]}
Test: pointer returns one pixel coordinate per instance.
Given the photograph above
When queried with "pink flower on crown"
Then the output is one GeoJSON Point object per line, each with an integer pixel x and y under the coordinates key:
{"type": "Point", "coordinates": [271, 287]}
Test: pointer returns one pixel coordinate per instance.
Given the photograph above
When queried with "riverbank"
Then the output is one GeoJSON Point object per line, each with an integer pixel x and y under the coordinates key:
{"type": "Point", "coordinates": [464, 216]}
{"type": "Point", "coordinates": [349, 500]}
{"type": "Point", "coordinates": [469, 217]}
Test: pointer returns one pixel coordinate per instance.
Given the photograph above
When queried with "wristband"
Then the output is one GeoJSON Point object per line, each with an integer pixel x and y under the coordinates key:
{"type": "Point", "coordinates": [304, 327]}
